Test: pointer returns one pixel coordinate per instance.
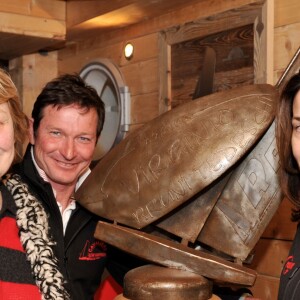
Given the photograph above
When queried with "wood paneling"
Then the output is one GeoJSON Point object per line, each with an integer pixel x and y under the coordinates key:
{"type": "Point", "coordinates": [48, 9]}
{"type": "Point", "coordinates": [266, 287]}
{"type": "Point", "coordinates": [287, 41]}
{"type": "Point", "coordinates": [264, 44]}
{"type": "Point", "coordinates": [28, 26]}
{"type": "Point", "coordinates": [144, 108]}
{"type": "Point", "coordinates": [81, 11]}
{"type": "Point", "coordinates": [234, 59]}
{"type": "Point", "coordinates": [72, 60]}
{"type": "Point", "coordinates": [286, 12]}
{"type": "Point", "coordinates": [142, 77]}
{"type": "Point", "coordinates": [145, 48]}
{"type": "Point", "coordinates": [281, 227]}
{"type": "Point", "coordinates": [208, 25]}
{"type": "Point", "coordinates": [164, 73]}
{"type": "Point", "coordinates": [30, 83]}
{"type": "Point", "coordinates": [270, 256]}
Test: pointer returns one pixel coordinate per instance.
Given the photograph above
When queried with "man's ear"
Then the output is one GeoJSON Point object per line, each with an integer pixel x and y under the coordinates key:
{"type": "Point", "coordinates": [31, 131]}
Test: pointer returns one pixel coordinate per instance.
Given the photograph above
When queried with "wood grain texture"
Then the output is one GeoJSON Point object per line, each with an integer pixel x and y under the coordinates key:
{"type": "Point", "coordinates": [286, 12]}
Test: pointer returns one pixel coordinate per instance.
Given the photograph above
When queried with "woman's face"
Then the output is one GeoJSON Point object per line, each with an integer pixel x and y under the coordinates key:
{"type": "Point", "coordinates": [7, 141]}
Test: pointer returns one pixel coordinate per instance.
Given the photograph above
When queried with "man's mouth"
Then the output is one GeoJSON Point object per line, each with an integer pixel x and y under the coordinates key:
{"type": "Point", "coordinates": [66, 164]}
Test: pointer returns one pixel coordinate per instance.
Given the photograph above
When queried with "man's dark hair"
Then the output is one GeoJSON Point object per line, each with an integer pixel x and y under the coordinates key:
{"type": "Point", "coordinates": [64, 91]}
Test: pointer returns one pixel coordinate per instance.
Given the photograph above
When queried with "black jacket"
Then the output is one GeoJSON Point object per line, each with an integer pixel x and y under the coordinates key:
{"type": "Point", "coordinates": [289, 287]}
{"type": "Point", "coordinates": [81, 257]}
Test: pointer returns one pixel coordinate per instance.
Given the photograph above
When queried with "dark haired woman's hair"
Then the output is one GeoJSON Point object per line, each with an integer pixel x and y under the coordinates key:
{"type": "Point", "coordinates": [68, 90]}
{"type": "Point", "coordinates": [289, 169]}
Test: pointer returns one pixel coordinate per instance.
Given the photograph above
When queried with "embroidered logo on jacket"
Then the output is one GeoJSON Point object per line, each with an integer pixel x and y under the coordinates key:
{"type": "Point", "coordinates": [93, 250]}
{"type": "Point", "coordinates": [289, 265]}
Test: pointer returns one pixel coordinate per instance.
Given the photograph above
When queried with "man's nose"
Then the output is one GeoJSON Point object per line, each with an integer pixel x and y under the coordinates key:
{"type": "Point", "coordinates": [68, 149]}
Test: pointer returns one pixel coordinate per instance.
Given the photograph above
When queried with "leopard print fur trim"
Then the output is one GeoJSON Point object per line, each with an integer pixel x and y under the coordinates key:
{"type": "Point", "coordinates": [33, 227]}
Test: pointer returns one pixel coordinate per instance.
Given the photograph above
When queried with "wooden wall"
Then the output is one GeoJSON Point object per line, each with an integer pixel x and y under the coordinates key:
{"type": "Point", "coordinates": [145, 73]}
{"type": "Point", "coordinates": [147, 76]}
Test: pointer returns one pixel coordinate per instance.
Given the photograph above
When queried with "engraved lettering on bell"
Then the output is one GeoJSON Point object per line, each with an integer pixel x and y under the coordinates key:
{"type": "Point", "coordinates": [253, 181]}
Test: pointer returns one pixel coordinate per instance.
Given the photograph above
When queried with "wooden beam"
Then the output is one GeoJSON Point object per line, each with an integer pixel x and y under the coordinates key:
{"type": "Point", "coordinates": [81, 11]}
{"type": "Point", "coordinates": [48, 9]}
{"type": "Point", "coordinates": [263, 44]}
{"type": "Point", "coordinates": [27, 26]}
{"type": "Point", "coordinates": [32, 26]}
{"type": "Point", "coordinates": [13, 45]}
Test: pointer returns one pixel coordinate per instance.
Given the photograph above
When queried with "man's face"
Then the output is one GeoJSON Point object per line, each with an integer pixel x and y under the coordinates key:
{"type": "Point", "coordinates": [64, 142]}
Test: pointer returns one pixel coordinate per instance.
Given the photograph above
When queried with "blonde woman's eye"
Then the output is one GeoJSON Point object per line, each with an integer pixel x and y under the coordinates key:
{"type": "Point", "coordinates": [3, 121]}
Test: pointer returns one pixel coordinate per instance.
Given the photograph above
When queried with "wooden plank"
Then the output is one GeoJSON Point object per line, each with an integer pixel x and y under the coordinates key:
{"type": "Point", "coordinates": [270, 256]}
{"type": "Point", "coordinates": [144, 108]}
{"type": "Point", "coordinates": [281, 226]}
{"type": "Point", "coordinates": [213, 24]}
{"type": "Point", "coordinates": [145, 48]}
{"type": "Point", "coordinates": [287, 41]}
{"type": "Point", "coordinates": [10, 45]}
{"type": "Point", "coordinates": [80, 11]}
{"type": "Point", "coordinates": [234, 60]}
{"type": "Point", "coordinates": [286, 12]}
{"type": "Point", "coordinates": [164, 73]}
{"type": "Point", "coordinates": [27, 26]}
{"type": "Point", "coordinates": [31, 67]}
{"type": "Point", "coordinates": [263, 44]}
{"type": "Point", "coordinates": [15, 6]}
{"type": "Point", "coordinates": [265, 287]}
{"type": "Point", "coordinates": [73, 60]}
{"type": "Point", "coordinates": [32, 26]}
{"type": "Point", "coordinates": [142, 77]}
{"type": "Point", "coordinates": [222, 81]}
{"type": "Point", "coordinates": [49, 9]}
{"type": "Point", "coordinates": [38, 8]}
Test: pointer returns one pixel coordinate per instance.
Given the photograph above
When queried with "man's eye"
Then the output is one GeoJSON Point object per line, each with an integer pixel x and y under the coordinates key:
{"type": "Point", "coordinates": [84, 139]}
{"type": "Point", "coordinates": [55, 133]}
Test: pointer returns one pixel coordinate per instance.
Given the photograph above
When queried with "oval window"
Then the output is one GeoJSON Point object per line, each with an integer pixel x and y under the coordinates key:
{"type": "Point", "coordinates": [108, 81]}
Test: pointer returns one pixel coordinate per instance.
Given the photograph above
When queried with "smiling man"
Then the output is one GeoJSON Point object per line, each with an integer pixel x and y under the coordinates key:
{"type": "Point", "coordinates": [64, 144]}
{"type": "Point", "coordinates": [66, 261]}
